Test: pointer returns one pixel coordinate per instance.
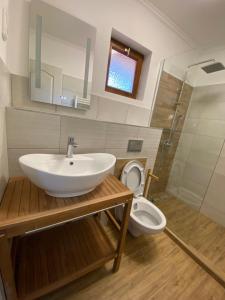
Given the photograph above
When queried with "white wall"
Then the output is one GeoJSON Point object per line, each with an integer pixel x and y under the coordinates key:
{"type": "Point", "coordinates": [4, 101]}
{"type": "Point", "coordinates": [3, 44]}
{"type": "Point", "coordinates": [5, 98]}
{"type": "Point", "coordinates": [129, 17]}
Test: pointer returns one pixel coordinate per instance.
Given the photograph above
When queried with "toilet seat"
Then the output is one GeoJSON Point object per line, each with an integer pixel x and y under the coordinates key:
{"type": "Point", "coordinates": [145, 217]}
{"type": "Point", "coordinates": [133, 177]}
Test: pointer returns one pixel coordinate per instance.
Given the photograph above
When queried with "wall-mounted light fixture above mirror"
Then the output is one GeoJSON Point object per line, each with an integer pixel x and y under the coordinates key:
{"type": "Point", "coordinates": [61, 54]}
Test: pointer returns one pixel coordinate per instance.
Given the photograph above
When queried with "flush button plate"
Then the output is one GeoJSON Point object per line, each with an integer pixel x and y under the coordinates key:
{"type": "Point", "coordinates": [135, 145]}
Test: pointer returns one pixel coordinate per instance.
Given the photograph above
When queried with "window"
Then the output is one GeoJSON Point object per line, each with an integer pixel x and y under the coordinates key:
{"type": "Point", "coordinates": [124, 70]}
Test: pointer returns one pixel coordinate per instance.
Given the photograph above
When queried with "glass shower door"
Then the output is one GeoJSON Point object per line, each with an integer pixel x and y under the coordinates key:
{"type": "Point", "coordinates": [195, 205]}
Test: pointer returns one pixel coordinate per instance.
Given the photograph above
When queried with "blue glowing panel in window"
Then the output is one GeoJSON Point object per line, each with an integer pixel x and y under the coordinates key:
{"type": "Point", "coordinates": [121, 72]}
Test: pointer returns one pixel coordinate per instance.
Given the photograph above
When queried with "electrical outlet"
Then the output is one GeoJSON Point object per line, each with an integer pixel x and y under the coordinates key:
{"type": "Point", "coordinates": [134, 145]}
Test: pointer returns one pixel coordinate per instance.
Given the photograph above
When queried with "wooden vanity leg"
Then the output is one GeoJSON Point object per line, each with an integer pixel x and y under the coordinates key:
{"type": "Point", "coordinates": [122, 238]}
{"type": "Point", "coordinates": [6, 269]}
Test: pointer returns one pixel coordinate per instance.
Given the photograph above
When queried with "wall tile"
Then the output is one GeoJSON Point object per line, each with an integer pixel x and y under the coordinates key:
{"type": "Point", "coordinates": [189, 197]}
{"type": "Point", "coordinates": [5, 100]}
{"type": "Point", "coordinates": [184, 146]}
{"type": "Point", "coordinates": [190, 125]}
{"type": "Point", "coordinates": [90, 113]}
{"type": "Point", "coordinates": [205, 151]}
{"type": "Point", "coordinates": [150, 136]}
{"type": "Point", "coordinates": [194, 188]}
{"type": "Point", "coordinates": [138, 116]}
{"type": "Point", "coordinates": [222, 154]}
{"type": "Point", "coordinates": [213, 213]}
{"type": "Point", "coordinates": [112, 111]}
{"type": "Point", "coordinates": [33, 132]}
{"type": "Point", "coordinates": [197, 173]}
{"type": "Point", "coordinates": [151, 142]}
{"type": "Point", "coordinates": [165, 105]}
{"type": "Point", "coordinates": [167, 95]}
{"type": "Point", "coordinates": [208, 103]}
{"type": "Point", "coordinates": [21, 97]}
{"type": "Point", "coordinates": [194, 110]}
{"type": "Point", "coordinates": [81, 150]}
{"type": "Point", "coordinates": [176, 174]}
{"type": "Point", "coordinates": [5, 86]}
{"type": "Point", "coordinates": [209, 92]}
{"type": "Point", "coordinates": [27, 129]}
{"type": "Point", "coordinates": [213, 204]}
{"type": "Point", "coordinates": [216, 192]}
{"type": "Point", "coordinates": [3, 153]}
{"type": "Point", "coordinates": [220, 166]}
{"type": "Point", "coordinates": [163, 164]}
{"type": "Point", "coordinates": [117, 135]}
{"type": "Point", "coordinates": [87, 133]}
{"type": "Point", "coordinates": [122, 153]}
{"type": "Point", "coordinates": [14, 155]}
{"type": "Point", "coordinates": [214, 128]}
{"type": "Point", "coordinates": [163, 117]}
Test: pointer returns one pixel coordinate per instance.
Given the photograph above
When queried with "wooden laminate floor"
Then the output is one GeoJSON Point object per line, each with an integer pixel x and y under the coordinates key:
{"type": "Point", "coordinates": [153, 267]}
{"type": "Point", "coordinates": [194, 228]}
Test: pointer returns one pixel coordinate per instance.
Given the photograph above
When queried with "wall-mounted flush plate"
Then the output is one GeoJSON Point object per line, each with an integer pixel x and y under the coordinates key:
{"type": "Point", "coordinates": [134, 145]}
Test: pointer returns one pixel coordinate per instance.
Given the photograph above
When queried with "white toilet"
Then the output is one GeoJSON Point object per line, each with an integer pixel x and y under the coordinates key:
{"type": "Point", "coordinates": [145, 217]}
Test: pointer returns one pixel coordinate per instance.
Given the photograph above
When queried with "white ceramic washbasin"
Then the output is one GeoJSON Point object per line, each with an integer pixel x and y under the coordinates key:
{"type": "Point", "coordinates": [60, 176]}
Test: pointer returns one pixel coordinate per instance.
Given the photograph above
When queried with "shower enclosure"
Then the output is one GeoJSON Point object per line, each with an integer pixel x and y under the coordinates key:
{"type": "Point", "coordinates": [193, 194]}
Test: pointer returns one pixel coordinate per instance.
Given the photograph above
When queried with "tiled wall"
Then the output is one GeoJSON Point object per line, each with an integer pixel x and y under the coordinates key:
{"type": "Point", "coordinates": [165, 105]}
{"type": "Point", "coordinates": [163, 163]}
{"type": "Point", "coordinates": [4, 101]}
{"type": "Point", "coordinates": [197, 172]}
{"type": "Point", "coordinates": [214, 203]}
{"type": "Point", "coordinates": [102, 109]}
{"type": "Point", "coordinates": [30, 132]}
{"type": "Point", "coordinates": [167, 96]}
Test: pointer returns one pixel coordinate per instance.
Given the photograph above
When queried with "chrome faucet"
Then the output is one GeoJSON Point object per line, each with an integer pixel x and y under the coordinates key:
{"type": "Point", "coordinates": [70, 147]}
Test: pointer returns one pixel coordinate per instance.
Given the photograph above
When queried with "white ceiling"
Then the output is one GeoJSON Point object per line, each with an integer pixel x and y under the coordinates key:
{"type": "Point", "coordinates": [202, 20]}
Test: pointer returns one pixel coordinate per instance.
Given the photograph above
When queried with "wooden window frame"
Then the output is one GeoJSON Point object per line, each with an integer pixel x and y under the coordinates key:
{"type": "Point", "coordinates": [138, 57]}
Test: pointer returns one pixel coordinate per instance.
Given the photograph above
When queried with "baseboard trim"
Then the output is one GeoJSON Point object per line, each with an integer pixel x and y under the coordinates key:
{"type": "Point", "coordinates": [200, 259]}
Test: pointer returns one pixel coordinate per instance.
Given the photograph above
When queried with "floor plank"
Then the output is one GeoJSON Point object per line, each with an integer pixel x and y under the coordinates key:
{"type": "Point", "coordinates": [194, 228]}
{"type": "Point", "coordinates": [153, 267]}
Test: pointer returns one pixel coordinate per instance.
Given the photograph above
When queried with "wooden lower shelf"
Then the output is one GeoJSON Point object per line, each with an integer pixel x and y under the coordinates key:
{"type": "Point", "coordinates": [49, 259]}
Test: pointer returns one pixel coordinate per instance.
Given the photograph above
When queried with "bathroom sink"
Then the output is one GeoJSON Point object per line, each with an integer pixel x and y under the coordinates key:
{"type": "Point", "coordinates": [61, 176]}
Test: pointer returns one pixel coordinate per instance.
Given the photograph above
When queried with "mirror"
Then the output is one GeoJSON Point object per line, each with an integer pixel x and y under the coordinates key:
{"type": "Point", "coordinates": [61, 53]}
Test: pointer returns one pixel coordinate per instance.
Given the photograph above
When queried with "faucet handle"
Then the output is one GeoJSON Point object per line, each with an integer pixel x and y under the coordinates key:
{"type": "Point", "coordinates": [70, 140]}
{"type": "Point", "coordinates": [75, 145]}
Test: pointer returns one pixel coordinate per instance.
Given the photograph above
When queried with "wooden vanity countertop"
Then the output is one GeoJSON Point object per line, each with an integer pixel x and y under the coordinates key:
{"type": "Point", "coordinates": [25, 207]}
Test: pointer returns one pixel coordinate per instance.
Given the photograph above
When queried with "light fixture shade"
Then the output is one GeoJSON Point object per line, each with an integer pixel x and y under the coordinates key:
{"type": "Point", "coordinates": [38, 52]}
{"type": "Point", "coordinates": [87, 66]}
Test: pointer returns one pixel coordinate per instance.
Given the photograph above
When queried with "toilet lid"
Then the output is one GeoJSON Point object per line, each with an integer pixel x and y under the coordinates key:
{"type": "Point", "coordinates": [133, 177]}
